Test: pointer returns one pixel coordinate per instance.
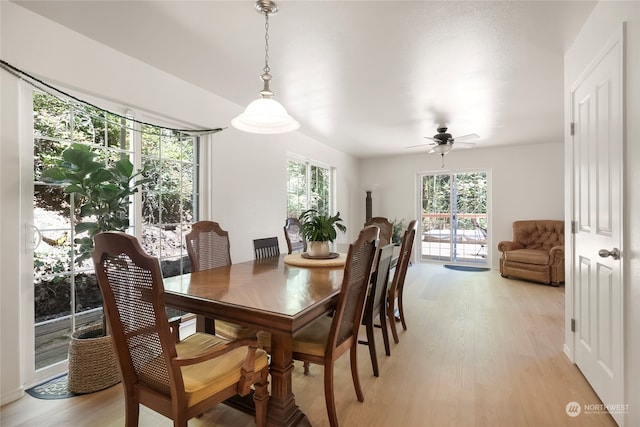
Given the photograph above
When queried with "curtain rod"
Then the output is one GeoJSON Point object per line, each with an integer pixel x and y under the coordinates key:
{"type": "Point", "coordinates": [31, 79]}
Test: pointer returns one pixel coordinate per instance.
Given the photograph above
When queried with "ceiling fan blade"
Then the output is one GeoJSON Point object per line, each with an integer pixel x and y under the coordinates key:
{"type": "Point", "coordinates": [422, 145]}
{"type": "Point", "coordinates": [466, 137]}
{"type": "Point", "coordinates": [433, 139]}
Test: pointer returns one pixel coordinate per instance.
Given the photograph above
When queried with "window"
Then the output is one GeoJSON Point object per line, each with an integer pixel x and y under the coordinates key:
{"type": "Point", "coordinates": [308, 187]}
{"type": "Point", "coordinates": [66, 292]}
{"type": "Point", "coordinates": [454, 217]}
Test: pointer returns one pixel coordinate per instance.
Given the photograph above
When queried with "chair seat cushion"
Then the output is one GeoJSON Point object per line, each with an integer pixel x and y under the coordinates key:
{"type": "Point", "coordinates": [233, 330]}
{"type": "Point", "coordinates": [312, 339]}
{"type": "Point", "coordinates": [206, 378]}
{"type": "Point", "coordinates": [528, 256]}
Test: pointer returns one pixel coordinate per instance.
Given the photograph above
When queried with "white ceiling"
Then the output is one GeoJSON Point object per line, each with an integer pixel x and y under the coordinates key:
{"type": "Point", "coordinates": [369, 78]}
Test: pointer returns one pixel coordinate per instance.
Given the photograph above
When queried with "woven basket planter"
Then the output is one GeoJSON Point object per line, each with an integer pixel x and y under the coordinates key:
{"type": "Point", "coordinates": [93, 365]}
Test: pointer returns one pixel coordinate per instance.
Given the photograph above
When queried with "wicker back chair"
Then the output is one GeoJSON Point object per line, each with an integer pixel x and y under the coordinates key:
{"type": "Point", "coordinates": [395, 291]}
{"type": "Point", "coordinates": [208, 246]}
{"type": "Point", "coordinates": [324, 340]}
{"type": "Point", "coordinates": [386, 229]}
{"type": "Point", "coordinates": [178, 380]}
{"type": "Point", "coordinates": [293, 236]}
{"type": "Point", "coordinates": [267, 247]}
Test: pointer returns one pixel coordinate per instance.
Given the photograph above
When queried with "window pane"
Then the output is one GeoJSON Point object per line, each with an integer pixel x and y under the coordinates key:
{"type": "Point", "coordinates": [51, 117]}
{"type": "Point", "coordinates": [308, 187]}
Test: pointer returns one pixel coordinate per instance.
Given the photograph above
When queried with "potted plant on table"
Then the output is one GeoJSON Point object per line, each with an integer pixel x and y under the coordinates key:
{"type": "Point", "coordinates": [319, 229]}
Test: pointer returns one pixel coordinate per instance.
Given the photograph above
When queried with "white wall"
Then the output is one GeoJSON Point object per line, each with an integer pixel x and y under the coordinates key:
{"type": "Point", "coordinates": [248, 172]}
{"type": "Point", "coordinates": [605, 20]}
{"type": "Point", "coordinates": [526, 183]}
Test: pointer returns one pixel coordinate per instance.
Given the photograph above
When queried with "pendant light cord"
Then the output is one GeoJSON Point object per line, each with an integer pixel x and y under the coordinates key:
{"type": "Point", "coordinates": [41, 85]}
{"type": "Point", "coordinates": [266, 68]}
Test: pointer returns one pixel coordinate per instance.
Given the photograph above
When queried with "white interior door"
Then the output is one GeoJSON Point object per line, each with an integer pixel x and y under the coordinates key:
{"type": "Point", "coordinates": [597, 212]}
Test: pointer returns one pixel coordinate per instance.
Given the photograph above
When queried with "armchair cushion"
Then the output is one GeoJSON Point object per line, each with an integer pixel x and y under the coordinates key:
{"type": "Point", "coordinates": [536, 252]}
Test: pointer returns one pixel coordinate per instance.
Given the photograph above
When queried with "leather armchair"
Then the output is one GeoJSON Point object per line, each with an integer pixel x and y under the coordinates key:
{"type": "Point", "coordinates": [536, 252]}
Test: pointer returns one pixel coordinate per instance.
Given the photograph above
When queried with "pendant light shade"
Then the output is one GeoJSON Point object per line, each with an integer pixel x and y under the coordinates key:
{"type": "Point", "coordinates": [265, 115]}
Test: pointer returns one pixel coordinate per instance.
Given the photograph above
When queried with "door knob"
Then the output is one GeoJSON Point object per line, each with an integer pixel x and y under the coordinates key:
{"type": "Point", "coordinates": [614, 253]}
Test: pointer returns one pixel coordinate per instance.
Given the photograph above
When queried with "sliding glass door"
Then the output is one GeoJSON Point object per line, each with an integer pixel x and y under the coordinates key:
{"type": "Point", "coordinates": [454, 217]}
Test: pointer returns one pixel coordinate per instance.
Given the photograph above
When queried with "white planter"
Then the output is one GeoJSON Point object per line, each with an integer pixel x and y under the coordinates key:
{"type": "Point", "coordinates": [318, 249]}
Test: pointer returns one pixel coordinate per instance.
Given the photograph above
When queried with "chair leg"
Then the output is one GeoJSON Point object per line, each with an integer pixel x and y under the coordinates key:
{"type": "Point", "coordinates": [329, 395]}
{"type": "Point", "coordinates": [353, 355]}
{"type": "Point", "coordinates": [391, 317]}
{"type": "Point", "coordinates": [401, 310]}
{"type": "Point", "coordinates": [306, 365]}
{"type": "Point", "coordinates": [132, 412]}
{"type": "Point", "coordinates": [261, 399]}
{"type": "Point", "coordinates": [372, 347]}
{"type": "Point", "coordinates": [385, 332]}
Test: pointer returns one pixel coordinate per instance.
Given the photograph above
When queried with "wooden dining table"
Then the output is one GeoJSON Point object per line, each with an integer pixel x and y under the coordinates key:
{"type": "Point", "coordinates": [268, 295]}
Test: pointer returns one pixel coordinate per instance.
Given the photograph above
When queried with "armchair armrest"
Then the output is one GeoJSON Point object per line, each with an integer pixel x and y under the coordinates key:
{"type": "Point", "coordinates": [556, 255]}
{"type": "Point", "coordinates": [218, 350]}
{"type": "Point", "coordinates": [507, 245]}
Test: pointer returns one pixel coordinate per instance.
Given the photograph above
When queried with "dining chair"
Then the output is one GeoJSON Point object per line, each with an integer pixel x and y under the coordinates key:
{"type": "Point", "coordinates": [324, 340]}
{"type": "Point", "coordinates": [396, 289]}
{"type": "Point", "coordinates": [208, 247]}
{"type": "Point", "coordinates": [179, 380]}
{"type": "Point", "coordinates": [293, 236]}
{"type": "Point", "coordinates": [267, 247]}
{"type": "Point", "coordinates": [386, 229]}
{"type": "Point", "coordinates": [375, 305]}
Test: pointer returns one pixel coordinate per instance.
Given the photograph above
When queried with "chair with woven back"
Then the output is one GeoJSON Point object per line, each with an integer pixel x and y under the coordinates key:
{"type": "Point", "coordinates": [327, 338]}
{"type": "Point", "coordinates": [267, 247]}
{"type": "Point", "coordinates": [386, 229]}
{"type": "Point", "coordinates": [375, 305]}
{"type": "Point", "coordinates": [208, 247]}
{"type": "Point", "coordinates": [293, 235]}
{"type": "Point", "coordinates": [396, 289]}
{"type": "Point", "coordinates": [179, 380]}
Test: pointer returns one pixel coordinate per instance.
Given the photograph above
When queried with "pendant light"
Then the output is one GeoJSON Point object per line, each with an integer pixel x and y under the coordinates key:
{"type": "Point", "coordinates": [265, 115]}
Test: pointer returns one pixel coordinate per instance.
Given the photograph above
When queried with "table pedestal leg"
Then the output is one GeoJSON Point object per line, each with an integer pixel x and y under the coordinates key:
{"type": "Point", "coordinates": [283, 410]}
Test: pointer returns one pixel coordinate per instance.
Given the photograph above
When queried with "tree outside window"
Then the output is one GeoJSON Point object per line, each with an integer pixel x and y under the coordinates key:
{"type": "Point", "coordinates": [308, 187]}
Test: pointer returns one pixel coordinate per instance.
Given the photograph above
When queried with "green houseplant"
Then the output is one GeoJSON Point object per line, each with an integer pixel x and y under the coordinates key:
{"type": "Point", "coordinates": [102, 193]}
{"type": "Point", "coordinates": [398, 229]}
{"type": "Point", "coordinates": [101, 203]}
{"type": "Point", "coordinates": [319, 229]}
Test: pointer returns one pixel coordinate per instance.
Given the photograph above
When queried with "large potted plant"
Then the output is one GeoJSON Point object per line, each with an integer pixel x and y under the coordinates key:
{"type": "Point", "coordinates": [319, 229]}
{"type": "Point", "coordinates": [101, 203]}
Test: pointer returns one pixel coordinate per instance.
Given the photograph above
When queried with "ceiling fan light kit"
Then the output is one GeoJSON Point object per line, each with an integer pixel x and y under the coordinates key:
{"type": "Point", "coordinates": [265, 115]}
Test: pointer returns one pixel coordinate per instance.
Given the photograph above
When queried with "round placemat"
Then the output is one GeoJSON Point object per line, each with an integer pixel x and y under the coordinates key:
{"type": "Point", "coordinates": [299, 261]}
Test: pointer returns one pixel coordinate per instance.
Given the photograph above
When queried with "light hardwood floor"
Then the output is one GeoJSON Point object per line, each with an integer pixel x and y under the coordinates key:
{"type": "Point", "coordinates": [480, 351]}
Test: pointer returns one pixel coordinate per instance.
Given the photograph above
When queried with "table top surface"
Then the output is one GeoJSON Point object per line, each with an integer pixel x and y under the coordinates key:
{"type": "Point", "coordinates": [268, 285]}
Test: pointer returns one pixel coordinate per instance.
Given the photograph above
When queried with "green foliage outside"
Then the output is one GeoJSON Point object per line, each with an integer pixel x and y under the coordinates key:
{"type": "Point", "coordinates": [299, 196]}
{"type": "Point", "coordinates": [471, 195]}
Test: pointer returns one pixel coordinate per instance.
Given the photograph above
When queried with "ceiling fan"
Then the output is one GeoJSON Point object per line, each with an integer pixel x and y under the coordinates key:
{"type": "Point", "coordinates": [443, 142]}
